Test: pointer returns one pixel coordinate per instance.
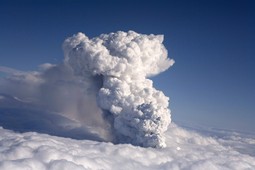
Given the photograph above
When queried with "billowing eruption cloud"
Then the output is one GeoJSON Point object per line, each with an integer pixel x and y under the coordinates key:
{"type": "Point", "coordinates": [122, 62]}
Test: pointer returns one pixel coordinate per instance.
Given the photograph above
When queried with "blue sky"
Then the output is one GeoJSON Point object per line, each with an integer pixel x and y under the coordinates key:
{"type": "Point", "coordinates": [212, 42]}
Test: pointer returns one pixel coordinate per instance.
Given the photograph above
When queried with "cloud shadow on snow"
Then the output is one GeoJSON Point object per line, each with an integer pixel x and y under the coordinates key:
{"type": "Point", "coordinates": [20, 118]}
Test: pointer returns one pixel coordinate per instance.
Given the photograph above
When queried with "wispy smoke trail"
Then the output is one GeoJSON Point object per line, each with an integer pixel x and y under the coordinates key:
{"type": "Point", "coordinates": [54, 89]}
{"type": "Point", "coordinates": [121, 63]}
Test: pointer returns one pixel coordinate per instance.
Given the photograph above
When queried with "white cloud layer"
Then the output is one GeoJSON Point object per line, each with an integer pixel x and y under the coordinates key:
{"type": "Point", "coordinates": [185, 150]}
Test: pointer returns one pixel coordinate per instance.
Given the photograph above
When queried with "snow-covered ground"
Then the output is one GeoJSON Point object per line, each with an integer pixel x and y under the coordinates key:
{"type": "Point", "coordinates": [186, 149]}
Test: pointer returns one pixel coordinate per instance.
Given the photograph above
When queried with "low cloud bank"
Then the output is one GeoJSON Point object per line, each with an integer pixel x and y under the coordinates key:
{"type": "Point", "coordinates": [185, 150]}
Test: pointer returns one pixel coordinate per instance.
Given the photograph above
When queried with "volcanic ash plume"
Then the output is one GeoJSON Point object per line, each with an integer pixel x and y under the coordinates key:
{"type": "Point", "coordinates": [122, 63]}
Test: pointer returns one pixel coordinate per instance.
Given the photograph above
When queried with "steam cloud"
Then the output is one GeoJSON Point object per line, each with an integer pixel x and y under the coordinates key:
{"type": "Point", "coordinates": [121, 63]}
